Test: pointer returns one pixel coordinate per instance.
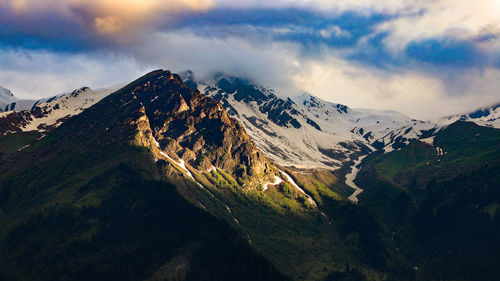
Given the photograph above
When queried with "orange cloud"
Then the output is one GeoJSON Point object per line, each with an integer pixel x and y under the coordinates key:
{"type": "Point", "coordinates": [111, 16]}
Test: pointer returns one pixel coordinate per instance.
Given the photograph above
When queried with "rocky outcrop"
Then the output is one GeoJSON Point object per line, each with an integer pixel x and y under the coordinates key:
{"type": "Point", "coordinates": [187, 125]}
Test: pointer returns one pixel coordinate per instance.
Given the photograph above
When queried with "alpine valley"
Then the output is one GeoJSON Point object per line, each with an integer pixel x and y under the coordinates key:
{"type": "Point", "coordinates": [177, 178]}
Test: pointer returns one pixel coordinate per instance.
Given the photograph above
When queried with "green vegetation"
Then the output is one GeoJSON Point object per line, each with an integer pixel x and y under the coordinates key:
{"type": "Point", "coordinates": [440, 210]}
{"type": "Point", "coordinates": [289, 231]}
{"type": "Point", "coordinates": [139, 226]}
{"type": "Point", "coordinates": [287, 190]}
{"type": "Point", "coordinates": [222, 179]}
{"type": "Point", "coordinates": [13, 142]}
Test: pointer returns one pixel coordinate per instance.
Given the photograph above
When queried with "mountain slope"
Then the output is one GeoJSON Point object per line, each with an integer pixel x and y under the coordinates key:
{"type": "Point", "coordinates": [306, 131]}
{"type": "Point", "coordinates": [94, 199]}
{"type": "Point", "coordinates": [43, 114]}
{"type": "Point", "coordinates": [97, 193]}
{"type": "Point", "coordinates": [440, 199]}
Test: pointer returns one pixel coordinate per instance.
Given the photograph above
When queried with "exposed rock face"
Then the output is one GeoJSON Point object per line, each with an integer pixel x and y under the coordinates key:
{"type": "Point", "coordinates": [186, 124]}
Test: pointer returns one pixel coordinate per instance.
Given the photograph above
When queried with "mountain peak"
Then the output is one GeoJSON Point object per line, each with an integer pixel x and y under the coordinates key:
{"type": "Point", "coordinates": [309, 101]}
{"type": "Point", "coordinates": [4, 92]}
{"type": "Point", "coordinates": [488, 116]}
{"type": "Point", "coordinates": [6, 98]}
{"type": "Point", "coordinates": [175, 120]}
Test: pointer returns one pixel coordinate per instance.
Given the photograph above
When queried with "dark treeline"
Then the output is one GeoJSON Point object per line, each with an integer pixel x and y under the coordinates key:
{"type": "Point", "coordinates": [137, 228]}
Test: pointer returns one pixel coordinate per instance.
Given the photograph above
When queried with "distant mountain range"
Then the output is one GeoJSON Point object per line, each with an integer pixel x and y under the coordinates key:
{"type": "Point", "coordinates": [173, 178]}
{"type": "Point", "coordinates": [304, 130]}
{"type": "Point", "coordinates": [487, 116]}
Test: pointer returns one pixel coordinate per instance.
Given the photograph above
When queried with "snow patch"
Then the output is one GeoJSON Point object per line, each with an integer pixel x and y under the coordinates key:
{"type": "Point", "coordinates": [329, 134]}
{"type": "Point", "coordinates": [349, 180]}
{"type": "Point", "coordinates": [429, 141]}
{"type": "Point", "coordinates": [487, 116]}
{"type": "Point", "coordinates": [277, 180]}
{"type": "Point", "coordinates": [292, 182]}
{"type": "Point", "coordinates": [24, 147]}
{"type": "Point", "coordinates": [180, 164]}
{"type": "Point", "coordinates": [64, 106]}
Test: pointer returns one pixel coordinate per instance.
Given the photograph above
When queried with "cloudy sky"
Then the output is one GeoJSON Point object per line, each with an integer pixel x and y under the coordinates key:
{"type": "Point", "coordinates": [425, 58]}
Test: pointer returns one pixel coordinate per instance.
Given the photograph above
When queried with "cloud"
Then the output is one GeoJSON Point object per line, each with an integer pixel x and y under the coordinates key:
{"type": "Point", "coordinates": [420, 95]}
{"type": "Point", "coordinates": [442, 18]}
{"type": "Point", "coordinates": [327, 6]}
{"type": "Point", "coordinates": [110, 17]}
{"type": "Point", "coordinates": [36, 74]}
{"type": "Point", "coordinates": [389, 54]}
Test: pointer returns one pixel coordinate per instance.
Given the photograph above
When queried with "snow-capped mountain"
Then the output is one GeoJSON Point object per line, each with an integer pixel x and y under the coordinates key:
{"type": "Point", "coordinates": [6, 97]}
{"type": "Point", "coordinates": [302, 131]}
{"type": "Point", "coordinates": [307, 131]}
{"type": "Point", "coordinates": [8, 102]}
{"type": "Point", "coordinates": [45, 113]}
{"type": "Point", "coordinates": [486, 116]}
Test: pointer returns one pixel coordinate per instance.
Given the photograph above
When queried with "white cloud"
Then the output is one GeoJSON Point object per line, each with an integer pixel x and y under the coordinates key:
{"type": "Point", "coordinates": [35, 74]}
{"type": "Point", "coordinates": [419, 95]}
{"type": "Point", "coordinates": [334, 31]}
{"type": "Point", "coordinates": [364, 6]}
{"type": "Point", "coordinates": [461, 19]}
{"type": "Point", "coordinates": [280, 65]}
{"type": "Point", "coordinates": [268, 62]}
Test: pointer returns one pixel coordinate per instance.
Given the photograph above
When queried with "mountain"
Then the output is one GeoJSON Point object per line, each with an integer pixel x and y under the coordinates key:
{"type": "Point", "coordinates": [158, 180]}
{"type": "Point", "coordinates": [306, 131]}
{"type": "Point", "coordinates": [6, 97]}
{"type": "Point", "coordinates": [132, 161]}
{"type": "Point", "coordinates": [46, 113]}
{"type": "Point", "coordinates": [440, 200]}
{"type": "Point", "coordinates": [9, 102]}
{"type": "Point", "coordinates": [99, 197]}
{"type": "Point", "coordinates": [487, 116]}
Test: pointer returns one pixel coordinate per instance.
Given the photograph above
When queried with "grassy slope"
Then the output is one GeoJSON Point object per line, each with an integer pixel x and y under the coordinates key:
{"type": "Point", "coordinates": [133, 226]}
{"type": "Point", "coordinates": [440, 209]}
{"type": "Point", "coordinates": [284, 228]}
{"type": "Point", "coordinates": [466, 145]}
{"type": "Point", "coordinates": [56, 183]}
{"type": "Point", "coordinates": [297, 237]}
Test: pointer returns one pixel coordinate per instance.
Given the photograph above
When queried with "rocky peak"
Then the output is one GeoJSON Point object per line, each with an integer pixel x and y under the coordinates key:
{"type": "Point", "coordinates": [311, 102]}
{"type": "Point", "coordinates": [229, 89]}
{"type": "Point", "coordinates": [79, 91]}
{"type": "Point", "coordinates": [188, 125]}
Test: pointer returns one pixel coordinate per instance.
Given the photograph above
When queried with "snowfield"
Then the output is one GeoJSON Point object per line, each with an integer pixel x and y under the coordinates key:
{"type": "Point", "coordinates": [307, 132]}
{"type": "Point", "coordinates": [349, 180]}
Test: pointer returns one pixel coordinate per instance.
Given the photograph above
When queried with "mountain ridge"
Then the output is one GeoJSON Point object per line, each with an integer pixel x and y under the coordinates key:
{"type": "Point", "coordinates": [488, 116]}
{"type": "Point", "coordinates": [306, 130]}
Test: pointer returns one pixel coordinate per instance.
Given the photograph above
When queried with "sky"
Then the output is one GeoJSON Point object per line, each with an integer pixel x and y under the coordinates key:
{"type": "Point", "coordinates": [424, 58]}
